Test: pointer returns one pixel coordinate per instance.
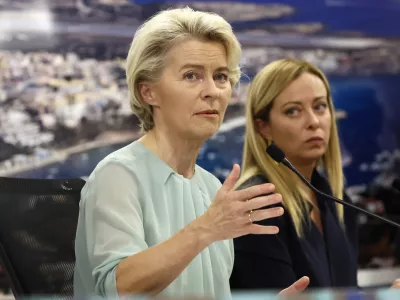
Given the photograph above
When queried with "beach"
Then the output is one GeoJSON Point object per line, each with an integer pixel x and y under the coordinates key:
{"type": "Point", "coordinates": [105, 139]}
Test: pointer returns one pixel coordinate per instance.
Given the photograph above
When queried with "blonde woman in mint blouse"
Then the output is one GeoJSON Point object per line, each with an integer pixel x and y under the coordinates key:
{"type": "Point", "coordinates": [151, 221]}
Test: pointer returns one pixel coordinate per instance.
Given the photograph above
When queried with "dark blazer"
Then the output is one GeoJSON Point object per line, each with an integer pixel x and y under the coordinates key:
{"type": "Point", "coordinates": [276, 261]}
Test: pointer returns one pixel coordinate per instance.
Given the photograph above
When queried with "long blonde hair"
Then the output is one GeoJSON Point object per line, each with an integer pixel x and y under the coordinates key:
{"type": "Point", "coordinates": [265, 87]}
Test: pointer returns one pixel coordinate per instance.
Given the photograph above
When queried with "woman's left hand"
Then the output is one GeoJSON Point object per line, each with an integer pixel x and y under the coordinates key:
{"type": "Point", "coordinates": [396, 284]}
{"type": "Point", "coordinates": [297, 287]}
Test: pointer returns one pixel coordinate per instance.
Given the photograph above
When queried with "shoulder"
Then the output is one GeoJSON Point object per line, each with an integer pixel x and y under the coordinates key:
{"type": "Point", "coordinates": [283, 221]}
{"type": "Point", "coordinates": [133, 161]}
{"type": "Point", "coordinates": [208, 182]}
{"type": "Point", "coordinates": [120, 169]}
{"type": "Point", "coordinates": [321, 182]}
{"type": "Point", "coordinates": [207, 176]}
{"type": "Point", "coordinates": [131, 157]}
{"type": "Point", "coordinates": [254, 180]}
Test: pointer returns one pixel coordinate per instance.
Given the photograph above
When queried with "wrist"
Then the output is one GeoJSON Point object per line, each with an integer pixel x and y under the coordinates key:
{"type": "Point", "coordinates": [198, 231]}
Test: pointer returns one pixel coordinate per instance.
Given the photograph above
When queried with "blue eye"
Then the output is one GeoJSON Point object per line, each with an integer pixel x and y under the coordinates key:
{"type": "Point", "coordinates": [191, 76]}
{"type": "Point", "coordinates": [222, 77]}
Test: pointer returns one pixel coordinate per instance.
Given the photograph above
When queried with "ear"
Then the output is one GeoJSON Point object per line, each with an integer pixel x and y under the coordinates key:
{"type": "Point", "coordinates": [263, 128]}
{"type": "Point", "coordinates": [148, 94]}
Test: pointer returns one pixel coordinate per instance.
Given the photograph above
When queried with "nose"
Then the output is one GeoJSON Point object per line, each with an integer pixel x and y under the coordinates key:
{"type": "Point", "coordinates": [312, 120]}
{"type": "Point", "coordinates": [210, 90]}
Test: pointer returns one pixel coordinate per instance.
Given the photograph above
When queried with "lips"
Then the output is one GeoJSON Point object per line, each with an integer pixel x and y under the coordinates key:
{"type": "Point", "coordinates": [208, 112]}
{"type": "Point", "coordinates": [315, 139]}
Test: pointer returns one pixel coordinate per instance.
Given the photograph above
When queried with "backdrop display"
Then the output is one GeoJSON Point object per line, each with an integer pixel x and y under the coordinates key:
{"type": "Point", "coordinates": [64, 100]}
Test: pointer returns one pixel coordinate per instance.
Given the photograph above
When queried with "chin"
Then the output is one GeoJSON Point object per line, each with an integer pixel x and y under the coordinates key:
{"type": "Point", "coordinates": [202, 133]}
{"type": "Point", "coordinates": [206, 134]}
{"type": "Point", "coordinates": [314, 154]}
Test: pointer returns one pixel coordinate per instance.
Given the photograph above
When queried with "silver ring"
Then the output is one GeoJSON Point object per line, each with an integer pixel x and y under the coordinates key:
{"type": "Point", "coordinates": [251, 221]}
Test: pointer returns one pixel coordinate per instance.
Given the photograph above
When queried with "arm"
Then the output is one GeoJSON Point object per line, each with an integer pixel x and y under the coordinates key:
{"type": "Point", "coordinates": [160, 264]}
{"type": "Point", "coordinates": [118, 253]}
{"type": "Point", "coordinates": [120, 260]}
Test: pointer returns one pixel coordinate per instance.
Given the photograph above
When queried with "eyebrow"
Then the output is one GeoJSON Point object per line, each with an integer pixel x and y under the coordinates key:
{"type": "Point", "coordinates": [300, 103]}
{"type": "Point", "coordinates": [194, 66]}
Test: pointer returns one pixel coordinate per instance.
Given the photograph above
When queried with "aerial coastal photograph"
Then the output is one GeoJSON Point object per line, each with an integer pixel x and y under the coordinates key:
{"type": "Point", "coordinates": [64, 98]}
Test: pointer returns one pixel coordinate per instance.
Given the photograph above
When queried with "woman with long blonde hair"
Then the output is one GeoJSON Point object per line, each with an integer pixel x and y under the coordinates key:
{"type": "Point", "coordinates": [289, 103]}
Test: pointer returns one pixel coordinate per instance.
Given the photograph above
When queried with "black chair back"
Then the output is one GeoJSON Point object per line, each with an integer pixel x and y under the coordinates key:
{"type": "Point", "coordinates": [38, 219]}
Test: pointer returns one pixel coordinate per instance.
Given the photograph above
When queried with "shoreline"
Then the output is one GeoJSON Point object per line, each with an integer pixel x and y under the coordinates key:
{"type": "Point", "coordinates": [105, 139]}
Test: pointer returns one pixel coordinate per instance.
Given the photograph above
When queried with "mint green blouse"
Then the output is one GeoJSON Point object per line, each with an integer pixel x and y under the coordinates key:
{"type": "Point", "coordinates": [132, 201]}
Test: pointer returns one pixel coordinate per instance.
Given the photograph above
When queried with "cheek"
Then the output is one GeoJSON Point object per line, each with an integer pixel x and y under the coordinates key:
{"type": "Point", "coordinates": [284, 128]}
{"type": "Point", "coordinates": [181, 104]}
{"type": "Point", "coordinates": [327, 124]}
{"type": "Point", "coordinates": [287, 136]}
{"type": "Point", "coordinates": [226, 94]}
{"type": "Point", "coordinates": [223, 107]}
{"type": "Point", "coordinates": [225, 98]}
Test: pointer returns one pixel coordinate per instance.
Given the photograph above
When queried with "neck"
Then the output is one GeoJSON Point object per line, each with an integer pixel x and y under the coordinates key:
{"type": "Point", "coordinates": [180, 154]}
{"type": "Point", "coordinates": [305, 169]}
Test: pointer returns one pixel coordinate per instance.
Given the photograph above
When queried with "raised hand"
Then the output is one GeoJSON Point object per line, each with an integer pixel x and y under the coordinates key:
{"type": "Point", "coordinates": [233, 212]}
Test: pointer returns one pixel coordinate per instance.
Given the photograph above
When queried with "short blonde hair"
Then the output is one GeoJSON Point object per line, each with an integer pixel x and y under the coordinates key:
{"type": "Point", "coordinates": [266, 87]}
{"type": "Point", "coordinates": [153, 40]}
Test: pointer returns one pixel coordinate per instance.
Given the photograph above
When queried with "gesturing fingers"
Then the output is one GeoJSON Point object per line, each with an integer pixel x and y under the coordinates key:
{"type": "Point", "coordinates": [232, 178]}
{"type": "Point", "coordinates": [254, 191]}
{"type": "Point", "coordinates": [259, 229]}
{"type": "Point", "coordinates": [233, 212]}
{"type": "Point", "coordinates": [262, 214]}
{"type": "Point", "coordinates": [260, 202]}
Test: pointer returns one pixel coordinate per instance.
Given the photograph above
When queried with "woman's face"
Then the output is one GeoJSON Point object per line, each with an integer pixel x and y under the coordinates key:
{"type": "Point", "coordinates": [192, 95]}
{"type": "Point", "coordinates": [300, 120]}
